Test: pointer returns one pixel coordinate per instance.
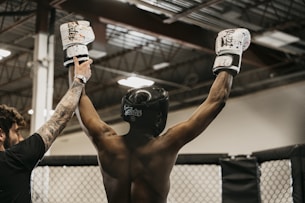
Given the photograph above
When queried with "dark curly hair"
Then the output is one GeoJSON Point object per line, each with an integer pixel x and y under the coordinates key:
{"type": "Point", "coordinates": [9, 116]}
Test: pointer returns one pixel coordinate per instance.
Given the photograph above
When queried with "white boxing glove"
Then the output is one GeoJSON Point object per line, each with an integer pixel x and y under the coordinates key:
{"type": "Point", "coordinates": [75, 36]}
{"type": "Point", "coordinates": [229, 46]}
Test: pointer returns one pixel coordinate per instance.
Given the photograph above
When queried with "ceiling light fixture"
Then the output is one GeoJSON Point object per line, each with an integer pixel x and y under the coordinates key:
{"type": "Point", "coordinates": [135, 82]}
{"type": "Point", "coordinates": [275, 38]}
{"type": "Point", "coordinates": [161, 65]}
{"type": "Point", "coordinates": [4, 53]}
{"type": "Point", "coordinates": [97, 54]}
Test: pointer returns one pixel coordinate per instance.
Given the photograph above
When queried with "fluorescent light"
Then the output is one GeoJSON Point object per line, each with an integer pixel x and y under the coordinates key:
{"type": "Point", "coordinates": [275, 38]}
{"type": "Point", "coordinates": [4, 53]}
{"type": "Point", "coordinates": [96, 54]}
{"type": "Point", "coordinates": [135, 82]}
{"type": "Point", "coordinates": [161, 65]}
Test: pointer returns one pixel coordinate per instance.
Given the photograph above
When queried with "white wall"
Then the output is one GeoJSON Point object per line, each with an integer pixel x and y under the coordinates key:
{"type": "Point", "coordinates": [264, 120]}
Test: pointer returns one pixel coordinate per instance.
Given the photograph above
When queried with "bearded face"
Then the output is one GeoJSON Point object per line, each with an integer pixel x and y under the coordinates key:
{"type": "Point", "coordinates": [12, 137]}
{"type": "Point", "coordinates": [7, 142]}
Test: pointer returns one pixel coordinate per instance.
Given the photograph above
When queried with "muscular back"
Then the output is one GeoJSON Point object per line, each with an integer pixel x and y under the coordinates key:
{"type": "Point", "coordinates": [136, 175]}
{"type": "Point", "coordinates": [136, 169]}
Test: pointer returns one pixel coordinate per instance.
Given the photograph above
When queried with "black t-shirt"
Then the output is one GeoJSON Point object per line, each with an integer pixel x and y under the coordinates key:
{"type": "Point", "coordinates": [16, 165]}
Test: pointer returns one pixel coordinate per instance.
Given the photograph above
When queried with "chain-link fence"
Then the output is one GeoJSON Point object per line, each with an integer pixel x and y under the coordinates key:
{"type": "Point", "coordinates": [189, 183]}
{"type": "Point", "coordinates": [276, 182]}
{"type": "Point", "coordinates": [194, 179]}
{"type": "Point", "coordinates": [195, 183]}
{"type": "Point", "coordinates": [73, 184]}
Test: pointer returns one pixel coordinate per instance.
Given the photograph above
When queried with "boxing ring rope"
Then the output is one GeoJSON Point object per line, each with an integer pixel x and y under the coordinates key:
{"type": "Point", "coordinates": [196, 178]}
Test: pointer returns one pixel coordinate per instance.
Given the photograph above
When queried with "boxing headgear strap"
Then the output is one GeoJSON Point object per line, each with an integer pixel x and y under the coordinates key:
{"type": "Point", "coordinates": [149, 104]}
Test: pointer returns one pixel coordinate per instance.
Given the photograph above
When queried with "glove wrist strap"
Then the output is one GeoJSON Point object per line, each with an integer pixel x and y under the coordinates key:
{"type": "Point", "coordinates": [229, 62]}
{"type": "Point", "coordinates": [78, 50]}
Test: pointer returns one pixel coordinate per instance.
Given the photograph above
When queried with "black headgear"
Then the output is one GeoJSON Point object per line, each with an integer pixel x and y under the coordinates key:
{"type": "Point", "coordinates": [146, 105]}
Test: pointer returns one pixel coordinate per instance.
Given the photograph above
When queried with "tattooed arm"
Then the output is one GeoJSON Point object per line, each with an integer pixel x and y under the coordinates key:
{"type": "Point", "coordinates": [66, 107]}
{"type": "Point", "coordinates": [63, 112]}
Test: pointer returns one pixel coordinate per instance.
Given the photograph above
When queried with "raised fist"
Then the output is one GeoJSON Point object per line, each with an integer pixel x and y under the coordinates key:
{"type": "Point", "coordinates": [229, 46]}
{"type": "Point", "coordinates": [75, 36]}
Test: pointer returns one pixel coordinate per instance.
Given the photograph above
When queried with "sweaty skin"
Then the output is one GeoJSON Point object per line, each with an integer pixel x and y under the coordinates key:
{"type": "Point", "coordinates": [136, 167]}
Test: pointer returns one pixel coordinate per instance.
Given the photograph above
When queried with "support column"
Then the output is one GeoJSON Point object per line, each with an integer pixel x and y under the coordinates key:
{"type": "Point", "coordinates": [43, 79]}
{"type": "Point", "coordinates": [40, 81]}
{"type": "Point", "coordinates": [43, 68]}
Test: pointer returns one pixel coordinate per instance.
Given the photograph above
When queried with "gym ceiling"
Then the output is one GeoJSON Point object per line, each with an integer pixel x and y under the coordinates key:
{"type": "Point", "coordinates": [139, 34]}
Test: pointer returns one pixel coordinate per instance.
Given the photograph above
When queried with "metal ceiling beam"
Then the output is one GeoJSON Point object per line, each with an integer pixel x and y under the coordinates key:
{"type": "Point", "coordinates": [191, 10]}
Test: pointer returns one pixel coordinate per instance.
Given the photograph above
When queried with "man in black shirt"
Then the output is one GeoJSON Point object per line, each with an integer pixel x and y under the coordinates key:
{"type": "Point", "coordinates": [18, 157]}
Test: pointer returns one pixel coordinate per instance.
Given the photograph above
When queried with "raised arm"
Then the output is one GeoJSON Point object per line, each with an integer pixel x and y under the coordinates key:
{"type": "Point", "coordinates": [229, 47]}
{"type": "Point", "coordinates": [89, 119]}
{"type": "Point", "coordinates": [65, 108]}
{"type": "Point", "coordinates": [96, 127]}
{"type": "Point", "coordinates": [75, 38]}
{"type": "Point", "coordinates": [210, 108]}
